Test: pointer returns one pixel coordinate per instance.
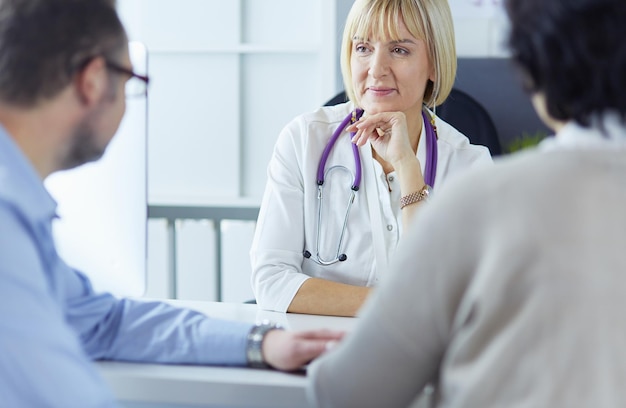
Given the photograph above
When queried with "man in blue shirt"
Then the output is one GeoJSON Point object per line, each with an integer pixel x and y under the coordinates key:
{"type": "Point", "coordinates": [63, 67]}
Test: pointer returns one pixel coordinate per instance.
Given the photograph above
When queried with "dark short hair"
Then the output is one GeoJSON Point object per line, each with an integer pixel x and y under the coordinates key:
{"type": "Point", "coordinates": [44, 43]}
{"type": "Point", "coordinates": [573, 52]}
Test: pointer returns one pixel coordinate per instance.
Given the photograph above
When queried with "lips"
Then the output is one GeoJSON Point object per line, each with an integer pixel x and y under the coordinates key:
{"type": "Point", "coordinates": [380, 91]}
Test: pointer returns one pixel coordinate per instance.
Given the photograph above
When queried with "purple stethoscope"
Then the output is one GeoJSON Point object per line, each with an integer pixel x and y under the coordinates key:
{"type": "Point", "coordinates": [355, 115]}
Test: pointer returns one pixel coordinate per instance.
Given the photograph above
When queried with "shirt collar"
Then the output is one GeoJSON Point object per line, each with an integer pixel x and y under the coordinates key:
{"type": "Point", "coordinates": [606, 132]}
{"type": "Point", "coordinates": [20, 184]}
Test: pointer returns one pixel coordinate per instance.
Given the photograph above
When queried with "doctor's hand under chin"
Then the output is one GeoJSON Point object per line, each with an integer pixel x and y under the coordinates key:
{"type": "Point", "coordinates": [388, 134]}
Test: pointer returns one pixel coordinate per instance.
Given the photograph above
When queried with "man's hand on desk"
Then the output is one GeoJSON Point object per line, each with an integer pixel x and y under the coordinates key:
{"type": "Point", "coordinates": [286, 350]}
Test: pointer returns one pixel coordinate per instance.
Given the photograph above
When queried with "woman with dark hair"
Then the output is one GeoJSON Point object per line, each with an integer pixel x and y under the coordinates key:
{"type": "Point", "coordinates": [529, 311]}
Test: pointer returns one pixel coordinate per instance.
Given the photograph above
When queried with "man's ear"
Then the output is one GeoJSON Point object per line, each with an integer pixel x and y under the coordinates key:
{"type": "Point", "coordinates": [91, 81]}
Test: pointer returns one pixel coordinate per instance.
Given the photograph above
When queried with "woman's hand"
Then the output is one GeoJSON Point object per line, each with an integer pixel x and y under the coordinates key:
{"type": "Point", "coordinates": [287, 350]}
{"type": "Point", "coordinates": [388, 134]}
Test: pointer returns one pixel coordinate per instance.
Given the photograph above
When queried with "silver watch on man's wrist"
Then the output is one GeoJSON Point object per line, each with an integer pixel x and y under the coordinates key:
{"type": "Point", "coordinates": [254, 346]}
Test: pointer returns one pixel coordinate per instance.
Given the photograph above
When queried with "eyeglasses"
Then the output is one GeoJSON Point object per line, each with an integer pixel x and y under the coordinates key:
{"type": "Point", "coordinates": [137, 85]}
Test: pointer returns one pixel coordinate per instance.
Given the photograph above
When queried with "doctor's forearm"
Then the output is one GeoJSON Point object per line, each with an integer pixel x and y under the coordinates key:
{"type": "Point", "coordinates": [324, 297]}
{"type": "Point", "coordinates": [411, 181]}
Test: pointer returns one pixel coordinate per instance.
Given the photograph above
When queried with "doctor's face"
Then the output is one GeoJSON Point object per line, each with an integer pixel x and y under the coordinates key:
{"type": "Point", "coordinates": [390, 75]}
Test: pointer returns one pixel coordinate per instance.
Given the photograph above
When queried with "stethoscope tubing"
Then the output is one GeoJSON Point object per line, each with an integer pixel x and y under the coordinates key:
{"type": "Point", "coordinates": [430, 167]}
{"type": "Point", "coordinates": [338, 255]}
{"type": "Point", "coordinates": [430, 170]}
{"type": "Point", "coordinates": [351, 118]}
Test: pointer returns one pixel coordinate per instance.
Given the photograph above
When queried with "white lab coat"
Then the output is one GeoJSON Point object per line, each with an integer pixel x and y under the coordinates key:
{"type": "Point", "coordinates": [287, 223]}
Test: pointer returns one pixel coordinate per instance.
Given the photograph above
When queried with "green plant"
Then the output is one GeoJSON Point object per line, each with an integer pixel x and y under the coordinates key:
{"type": "Point", "coordinates": [525, 141]}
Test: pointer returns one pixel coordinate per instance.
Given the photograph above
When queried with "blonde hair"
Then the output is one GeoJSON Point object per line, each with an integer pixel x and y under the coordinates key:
{"type": "Point", "coordinates": [428, 20]}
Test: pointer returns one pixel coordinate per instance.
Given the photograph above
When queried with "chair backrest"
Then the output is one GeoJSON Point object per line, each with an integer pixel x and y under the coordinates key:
{"type": "Point", "coordinates": [469, 117]}
{"type": "Point", "coordinates": [463, 112]}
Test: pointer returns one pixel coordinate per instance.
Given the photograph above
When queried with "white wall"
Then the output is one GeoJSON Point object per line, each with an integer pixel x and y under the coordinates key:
{"type": "Point", "coordinates": [480, 27]}
{"type": "Point", "coordinates": [219, 69]}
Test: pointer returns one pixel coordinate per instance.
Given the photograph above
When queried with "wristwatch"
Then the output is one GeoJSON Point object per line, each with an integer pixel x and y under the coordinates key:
{"type": "Point", "coordinates": [416, 196]}
{"type": "Point", "coordinates": [254, 347]}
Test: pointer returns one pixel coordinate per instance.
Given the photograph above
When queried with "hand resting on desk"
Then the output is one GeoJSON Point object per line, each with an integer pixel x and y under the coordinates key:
{"type": "Point", "coordinates": [287, 350]}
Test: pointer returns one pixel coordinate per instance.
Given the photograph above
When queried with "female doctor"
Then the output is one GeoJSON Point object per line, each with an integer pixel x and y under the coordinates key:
{"type": "Point", "coordinates": [344, 179]}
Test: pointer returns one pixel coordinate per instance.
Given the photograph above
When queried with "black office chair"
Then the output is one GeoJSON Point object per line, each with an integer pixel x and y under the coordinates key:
{"type": "Point", "coordinates": [341, 97]}
{"type": "Point", "coordinates": [463, 112]}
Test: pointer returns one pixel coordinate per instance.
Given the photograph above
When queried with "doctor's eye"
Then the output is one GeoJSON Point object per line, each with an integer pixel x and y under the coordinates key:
{"type": "Point", "coordinates": [399, 50]}
{"type": "Point", "coordinates": [360, 48]}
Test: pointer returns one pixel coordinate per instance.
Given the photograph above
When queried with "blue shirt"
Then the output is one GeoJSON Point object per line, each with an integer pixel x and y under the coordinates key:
{"type": "Point", "coordinates": [52, 323]}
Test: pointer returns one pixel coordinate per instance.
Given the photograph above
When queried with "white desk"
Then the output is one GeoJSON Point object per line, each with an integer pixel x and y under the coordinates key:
{"type": "Point", "coordinates": [168, 386]}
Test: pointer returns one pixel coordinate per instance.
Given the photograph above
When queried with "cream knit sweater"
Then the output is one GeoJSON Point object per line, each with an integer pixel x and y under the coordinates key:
{"type": "Point", "coordinates": [516, 297]}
